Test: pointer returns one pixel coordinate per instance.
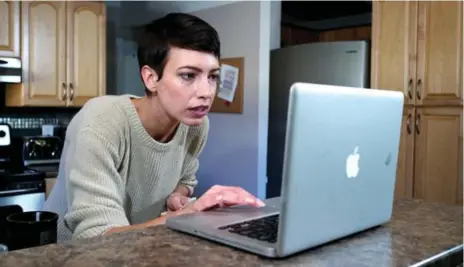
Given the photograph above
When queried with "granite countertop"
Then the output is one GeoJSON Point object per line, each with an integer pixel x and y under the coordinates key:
{"type": "Point", "coordinates": [418, 231]}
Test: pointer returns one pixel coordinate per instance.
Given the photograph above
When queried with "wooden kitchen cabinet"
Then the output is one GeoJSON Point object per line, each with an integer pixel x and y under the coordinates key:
{"type": "Point", "coordinates": [392, 46]}
{"type": "Point", "coordinates": [347, 34]}
{"type": "Point", "coordinates": [438, 154]}
{"type": "Point", "coordinates": [63, 53]}
{"type": "Point", "coordinates": [417, 49]}
{"type": "Point", "coordinates": [405, 170]}
{"type": "Point", "coordinates": [430, 155]}
{"type": "Point", "coordinates": [439, 53]}
{"type": "Point", "coordinates": [9, 28]}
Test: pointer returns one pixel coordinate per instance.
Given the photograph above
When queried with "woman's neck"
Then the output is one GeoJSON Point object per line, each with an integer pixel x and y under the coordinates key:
{"type": "Point", "coordinates": [156, 122]}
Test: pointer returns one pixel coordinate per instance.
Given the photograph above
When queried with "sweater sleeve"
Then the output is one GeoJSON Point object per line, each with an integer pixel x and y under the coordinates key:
{"type": "Point", "coordinates": [95, 188]}
{"type": "Point", "coordinates": [199, 137]}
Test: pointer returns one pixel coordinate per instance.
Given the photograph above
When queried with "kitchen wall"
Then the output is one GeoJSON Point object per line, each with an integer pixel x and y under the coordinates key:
{"type": "Point", "coordinates": [236, 151]}
{"type": "Point", "coordinates": [237, 147]}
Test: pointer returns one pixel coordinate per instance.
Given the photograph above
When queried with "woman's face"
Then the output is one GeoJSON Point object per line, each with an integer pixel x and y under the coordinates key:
{"type": "Point", "coordinates": [188, 85]}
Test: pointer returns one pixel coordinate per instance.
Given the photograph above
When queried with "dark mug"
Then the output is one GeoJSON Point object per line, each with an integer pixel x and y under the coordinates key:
{"type": "Point", "coordinates": [31, 229]}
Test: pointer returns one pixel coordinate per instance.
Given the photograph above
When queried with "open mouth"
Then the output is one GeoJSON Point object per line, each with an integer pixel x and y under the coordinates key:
{"type": "Point", "coordinates": [199, 109]}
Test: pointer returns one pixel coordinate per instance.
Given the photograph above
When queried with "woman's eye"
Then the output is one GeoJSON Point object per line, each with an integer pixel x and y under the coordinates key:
{"type": "Point", "coordinates": [187, 76]}
{"type": "Point", "coordinates": [214, 77]}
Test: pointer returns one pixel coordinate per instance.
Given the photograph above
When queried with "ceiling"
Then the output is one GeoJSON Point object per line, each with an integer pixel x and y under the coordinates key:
{"type": "Point", "coordinates": [327, 15]}
{"type": "Point", "coordinates": [320, 10]}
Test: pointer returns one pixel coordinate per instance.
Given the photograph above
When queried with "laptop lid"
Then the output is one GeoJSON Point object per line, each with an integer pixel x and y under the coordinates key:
{"type": "Point", "coordinates": [340, 163]}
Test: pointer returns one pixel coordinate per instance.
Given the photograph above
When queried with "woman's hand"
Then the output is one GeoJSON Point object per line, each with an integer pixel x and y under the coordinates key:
{"type": "Point", "coordinates": [223, 196]}
{"type": "Point", "coordinates": [176, 201]}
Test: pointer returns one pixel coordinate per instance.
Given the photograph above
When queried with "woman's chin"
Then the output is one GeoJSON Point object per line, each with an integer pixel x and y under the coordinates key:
{"type": "Point", "coordinates": [193, 121]}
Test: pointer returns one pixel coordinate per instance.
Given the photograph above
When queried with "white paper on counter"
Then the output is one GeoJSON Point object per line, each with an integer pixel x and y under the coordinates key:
{"type": "Point", "coordinates": [229, 80]}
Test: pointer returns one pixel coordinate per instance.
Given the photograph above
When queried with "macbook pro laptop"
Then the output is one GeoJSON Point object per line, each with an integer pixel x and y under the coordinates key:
{"type": "Point", "coordinates": [341, 152]}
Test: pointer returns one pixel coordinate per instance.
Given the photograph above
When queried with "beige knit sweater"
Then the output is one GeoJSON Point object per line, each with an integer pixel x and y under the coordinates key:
{"type": "Point", "coordinates": [112, 173]}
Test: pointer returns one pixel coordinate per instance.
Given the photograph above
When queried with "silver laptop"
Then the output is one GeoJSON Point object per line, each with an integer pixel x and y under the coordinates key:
{"type": "Point", "coordinates": [340, 163]}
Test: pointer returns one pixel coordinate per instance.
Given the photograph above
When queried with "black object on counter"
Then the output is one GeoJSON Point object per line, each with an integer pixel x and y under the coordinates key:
{"type": "Point", "coordinates": [6, 211]}
{"type": "Point", "coordinates": [31, 229]}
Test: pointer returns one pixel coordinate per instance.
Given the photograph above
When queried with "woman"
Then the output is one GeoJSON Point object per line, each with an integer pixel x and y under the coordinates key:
{"type": "Point", "coordinates": [126, 160]}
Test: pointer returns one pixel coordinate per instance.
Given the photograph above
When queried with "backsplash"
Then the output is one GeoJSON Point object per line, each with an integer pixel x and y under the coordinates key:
{"type": "Point", "coordinates": [33, 118]}
{"type": "Point", "coordinates": [23, 121]}
{"type": "Point", "coordinates": [28, 121]}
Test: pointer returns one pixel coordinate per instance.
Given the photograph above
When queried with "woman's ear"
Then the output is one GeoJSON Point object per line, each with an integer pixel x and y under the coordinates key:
{"type": "Point", "coordinates": [150, 78]}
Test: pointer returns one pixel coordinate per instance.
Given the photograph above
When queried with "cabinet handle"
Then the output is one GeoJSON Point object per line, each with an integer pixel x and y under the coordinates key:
{"type": "Point", "coordinates": [408, 124]}
{"type": "Point", "coordinates": [71, 97]}
{"type": "Point", "coordinates": [410, 89]}
{"type": "Point", "coordinates": [65, 94]}
{"type": "Point", "coordinates": [418, 89]}
{"type": "Point", "coordinates": [418, 121]}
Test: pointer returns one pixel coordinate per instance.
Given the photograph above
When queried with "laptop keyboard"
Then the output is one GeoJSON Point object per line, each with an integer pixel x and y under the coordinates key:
{"type": "Point", "coordinates": [263, 229]}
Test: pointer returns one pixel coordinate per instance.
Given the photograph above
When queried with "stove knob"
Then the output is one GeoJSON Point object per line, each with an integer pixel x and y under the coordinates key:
{"type": "Point", "coordinates": [2, 134]}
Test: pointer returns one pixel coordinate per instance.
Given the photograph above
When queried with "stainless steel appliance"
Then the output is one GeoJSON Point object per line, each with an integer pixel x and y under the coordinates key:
{"type": "Point", "coordinates": [38, 152]}
{"type": "Point", "coordinates": [333, 63]}
{"type": "Point", "coordinates": [18, 184]}
{"type": "Point", "coordinates": [10, 70]}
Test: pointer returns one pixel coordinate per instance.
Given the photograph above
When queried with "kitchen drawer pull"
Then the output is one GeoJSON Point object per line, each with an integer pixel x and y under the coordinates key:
{"type": "Point", "coordinates": [410, 89]}
{"type": "Point", "coordinates": [408, 124]}
{"type": "Point", "coordinates": [65, 94]}
{"type": "Point", "coordinates": [71, 87]}
{"type": "Point", "coordinates": [418, 121]}
{"type": "Point", "coordinates": [418, 89]}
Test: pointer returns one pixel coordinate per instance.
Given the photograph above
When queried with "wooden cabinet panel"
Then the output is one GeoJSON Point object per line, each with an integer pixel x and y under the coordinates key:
{"type": "Point", "coordinates": [438, 154]}
{"type": "Point", "coordinates": [86, 51]}
{"type": "Point", "coordinates": [43, 51]}
{"type": "Point", "coordinates": [405, 169]}
{"type": "Point", "coordinates": [417, 49]}
{"type": "Point", "coordinates": [9, 28]}
{"type": "Point", "coordinates": [291, 35]}
{"type": "Point", "coordinates": [439, 53]}
{"type": "Point", "coordinates": [394, 47]}
{"type": "Point", "coordinates": [430, 159]}
{"type": "Point", "coordinates": [63, 54]}
{"type": "Point", "coordinates": [348, 34]}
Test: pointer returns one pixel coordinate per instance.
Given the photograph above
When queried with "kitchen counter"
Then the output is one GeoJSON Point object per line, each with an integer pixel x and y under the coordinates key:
{"type": "Point", "coordinates": [418, 231]}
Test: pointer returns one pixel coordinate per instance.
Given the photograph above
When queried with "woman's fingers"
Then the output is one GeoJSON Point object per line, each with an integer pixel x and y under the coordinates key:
{"type": "Point", "coordinates": [207, 201]}
{"type": "Point", "coordinates": [243, 197]}
{"type": "Point", "coordinates": [226, 196]}
{"type": "Point", "coordinates": [248, 198]}
{"type": "Point", "coordinates": [176, 203]}
{"type": "Point", "coordinates": [184, 200]}
{"type": "Point", "coordinates": [238, 196]}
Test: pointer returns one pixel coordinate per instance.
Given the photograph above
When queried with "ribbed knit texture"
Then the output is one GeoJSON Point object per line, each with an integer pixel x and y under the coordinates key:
{"type": "Point", "coordinates": [113, 173]}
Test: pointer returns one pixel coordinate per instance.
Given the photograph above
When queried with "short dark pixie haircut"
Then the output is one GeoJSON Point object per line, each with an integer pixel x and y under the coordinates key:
{"type": "Point", "coordinates": [178, 30]}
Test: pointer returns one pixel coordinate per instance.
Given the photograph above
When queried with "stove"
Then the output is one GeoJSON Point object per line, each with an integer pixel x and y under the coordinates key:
{"type": "Point", "coordinates": [19, 184]}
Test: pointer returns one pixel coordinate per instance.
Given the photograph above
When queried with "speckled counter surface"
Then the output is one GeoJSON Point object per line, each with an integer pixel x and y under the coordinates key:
{"type": "Point", "coordinates": [417, 232]}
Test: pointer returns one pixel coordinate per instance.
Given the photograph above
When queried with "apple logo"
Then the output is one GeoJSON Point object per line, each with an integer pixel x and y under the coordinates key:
{"type": "Point", "coordinates": [352, 164]}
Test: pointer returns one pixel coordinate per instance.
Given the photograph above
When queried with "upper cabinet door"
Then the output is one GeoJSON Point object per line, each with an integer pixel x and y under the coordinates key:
{"type": "Point", "coordinates": [44, 53]}
{"type": "Point", "coordinates": [86, 24]}
{"type": "Point", "coordinates": [439, 68]}
{"type": "Point", "coordinates": [394, 28]}
{"type": "Point", "coordinates": [9, 28]}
